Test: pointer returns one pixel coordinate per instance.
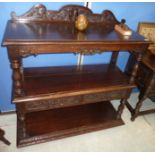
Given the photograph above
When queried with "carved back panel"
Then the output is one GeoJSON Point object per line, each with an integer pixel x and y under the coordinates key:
{"type": "Point", "coordinates": [67, 13]}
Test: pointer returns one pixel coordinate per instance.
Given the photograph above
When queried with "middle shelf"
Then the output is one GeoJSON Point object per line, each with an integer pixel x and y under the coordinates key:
{"type": "Point", "coordinates": [57, 82]}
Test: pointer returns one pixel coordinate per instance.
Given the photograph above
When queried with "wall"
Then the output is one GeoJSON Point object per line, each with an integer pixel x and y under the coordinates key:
{"type": "Point", "coordinates": [132, 12]}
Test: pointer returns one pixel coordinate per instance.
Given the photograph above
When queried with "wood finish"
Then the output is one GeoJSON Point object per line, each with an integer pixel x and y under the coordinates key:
{"type": "Point", "coordinates": [36, 90]}
{"type": "Point", "coordinates": [67, 13]}
{"type": "Point", "coordinates": [57, 82]}
{"type": "Point", "coordinates": [2, 138]}
{"type": "Point", "coordinates": [145, 81]}
{"type": "Point", "coordinates": [145, 78]}
{"type": "Point", "coordinates": [67, 122]}
{"type": "Point", "coordinates": [52, 33]}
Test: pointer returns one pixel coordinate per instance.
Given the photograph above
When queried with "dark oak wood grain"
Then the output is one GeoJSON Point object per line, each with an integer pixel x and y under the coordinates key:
{"type": "Point", "coordinates": [38, 32]}
{"type": "Point", "coordinates": [68, 121]}
{"type": "Point", "coordinates": [80, 96]}
{"type": "Point", "coordinates": [56, 82]}
{"type": "Point", "coordinates": [145, 81]}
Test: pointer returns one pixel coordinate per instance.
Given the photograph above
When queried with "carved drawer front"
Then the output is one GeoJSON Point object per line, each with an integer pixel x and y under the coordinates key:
{"type": "Point", "coordinates": [97, 97]}
{"type": "Point", "coordinates": [72, 101]}
{"type": "Point", "coordinates": [53, 103]}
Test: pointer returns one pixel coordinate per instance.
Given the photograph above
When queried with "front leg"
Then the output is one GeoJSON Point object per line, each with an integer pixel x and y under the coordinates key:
{"type": "Point", "coordinates": [17, 70]}
{"type": "Point", "coordinates": [135, 68]}
{"type": "Point", "coordinates": [143, 95]}
{"type": "Point", "coordinates": [121, 108]}
{"type": "Point", "coordinates": [17, 77]}
{"type": "Point", "coordinates": [21, 118]}
{"type": "Point", "coordinates": [123, 102]}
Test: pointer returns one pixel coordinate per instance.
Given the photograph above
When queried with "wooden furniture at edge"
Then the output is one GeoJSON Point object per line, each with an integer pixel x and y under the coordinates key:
{"type": "Point", "coordinates": [2, 138]}
{"type": "Point", "coordinates": [145, 78]}
{"type": "Point", "coordinates": [55, 102]}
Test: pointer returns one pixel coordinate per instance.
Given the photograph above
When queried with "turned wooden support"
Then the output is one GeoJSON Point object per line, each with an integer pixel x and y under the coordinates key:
{"type": "Point", "coordinates": [21, 119]}
{"type": "Point", "coordinates": [135, 68]}
{"type": "Point", "coordinates": [143, 95]}
{"type": "Point", "coordinates": [17, 77]}
{"type": "Point", "coordinates": [114, 57]}
{"type": "Point", "coordinates": [2, 138]}
{"type": "Point", "coordinates": [121, 108]}
{"type": "Point", "coordinates": [123, 102]}
{"type": "Point", "coordinates": [21, 114]}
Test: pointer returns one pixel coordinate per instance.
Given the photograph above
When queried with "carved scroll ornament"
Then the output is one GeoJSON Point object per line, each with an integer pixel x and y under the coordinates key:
{"type": "Point", "coordinates": [67, 13]}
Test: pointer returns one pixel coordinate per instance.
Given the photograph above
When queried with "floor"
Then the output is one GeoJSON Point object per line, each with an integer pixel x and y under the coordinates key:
{"type": "Point", "coordinates": [133, 136]}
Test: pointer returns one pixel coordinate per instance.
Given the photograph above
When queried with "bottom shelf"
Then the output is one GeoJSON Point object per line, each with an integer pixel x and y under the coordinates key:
{"type": "Point", "coordinates": [59, 123]}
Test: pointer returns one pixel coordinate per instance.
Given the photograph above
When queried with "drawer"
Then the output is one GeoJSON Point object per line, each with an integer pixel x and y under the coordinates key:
{"type": "Point", "coordinates": [98, 97]}
{"type": "Point", "coordinates": [53, 103]}
{"type": "Point", "coordinates": [73, 100]}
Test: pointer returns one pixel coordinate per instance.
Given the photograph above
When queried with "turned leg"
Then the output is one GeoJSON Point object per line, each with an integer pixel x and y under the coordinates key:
{"type": "Point", "coordinates": [130, 64]}
{"type": "Point", "coordinates": [135, 68]}
{"type": "Point", "coordinates": [121, 108]}
{"type": "Point", "coordinates": [21, 114]}
{"type": "Point", "coordinates": [136, 61]}
{"type": "Point", "coordinates": [2, 138]}
{"type": "Point", "coordinates": [113, 60]}
{"type": "Point", "coordinates": [138, 106]}
{"type": "Point", "coordinates": [143, 95]}
{"type": "Point", "coordinates": [114, 57]}
{"type": "Point", "coordinates": [21, 119]}
{"type": "Point", "coordinates": [17, 77]}
{"type": "Point", "coordinates": [132, 79]}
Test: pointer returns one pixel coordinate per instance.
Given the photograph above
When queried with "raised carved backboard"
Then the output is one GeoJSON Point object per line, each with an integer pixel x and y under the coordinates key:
{"type": "Point", "coordinates": [67, 13]}
{"type": "Point", "coordinates": [41, 26]}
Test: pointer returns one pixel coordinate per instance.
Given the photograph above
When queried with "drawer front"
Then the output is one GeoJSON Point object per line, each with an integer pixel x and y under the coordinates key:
{"type": "Point", "coordinates": [74, 100]}
{"type": "Point", "coordinates": [91, 98]}
{"type": "Point", "coordinates": [53, 103]}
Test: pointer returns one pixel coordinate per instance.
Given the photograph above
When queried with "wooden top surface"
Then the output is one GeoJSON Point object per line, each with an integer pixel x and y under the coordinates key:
{"type": "Point", "coordinates": [40, 26]}
{"type": "Point", "coordinates": [17, 32]}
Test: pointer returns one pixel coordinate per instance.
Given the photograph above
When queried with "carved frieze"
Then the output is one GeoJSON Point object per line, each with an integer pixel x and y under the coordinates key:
{"type": "Point", "coordinates": [53, 103]}
{"type": "Point", "coordinates": [72, 101]}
